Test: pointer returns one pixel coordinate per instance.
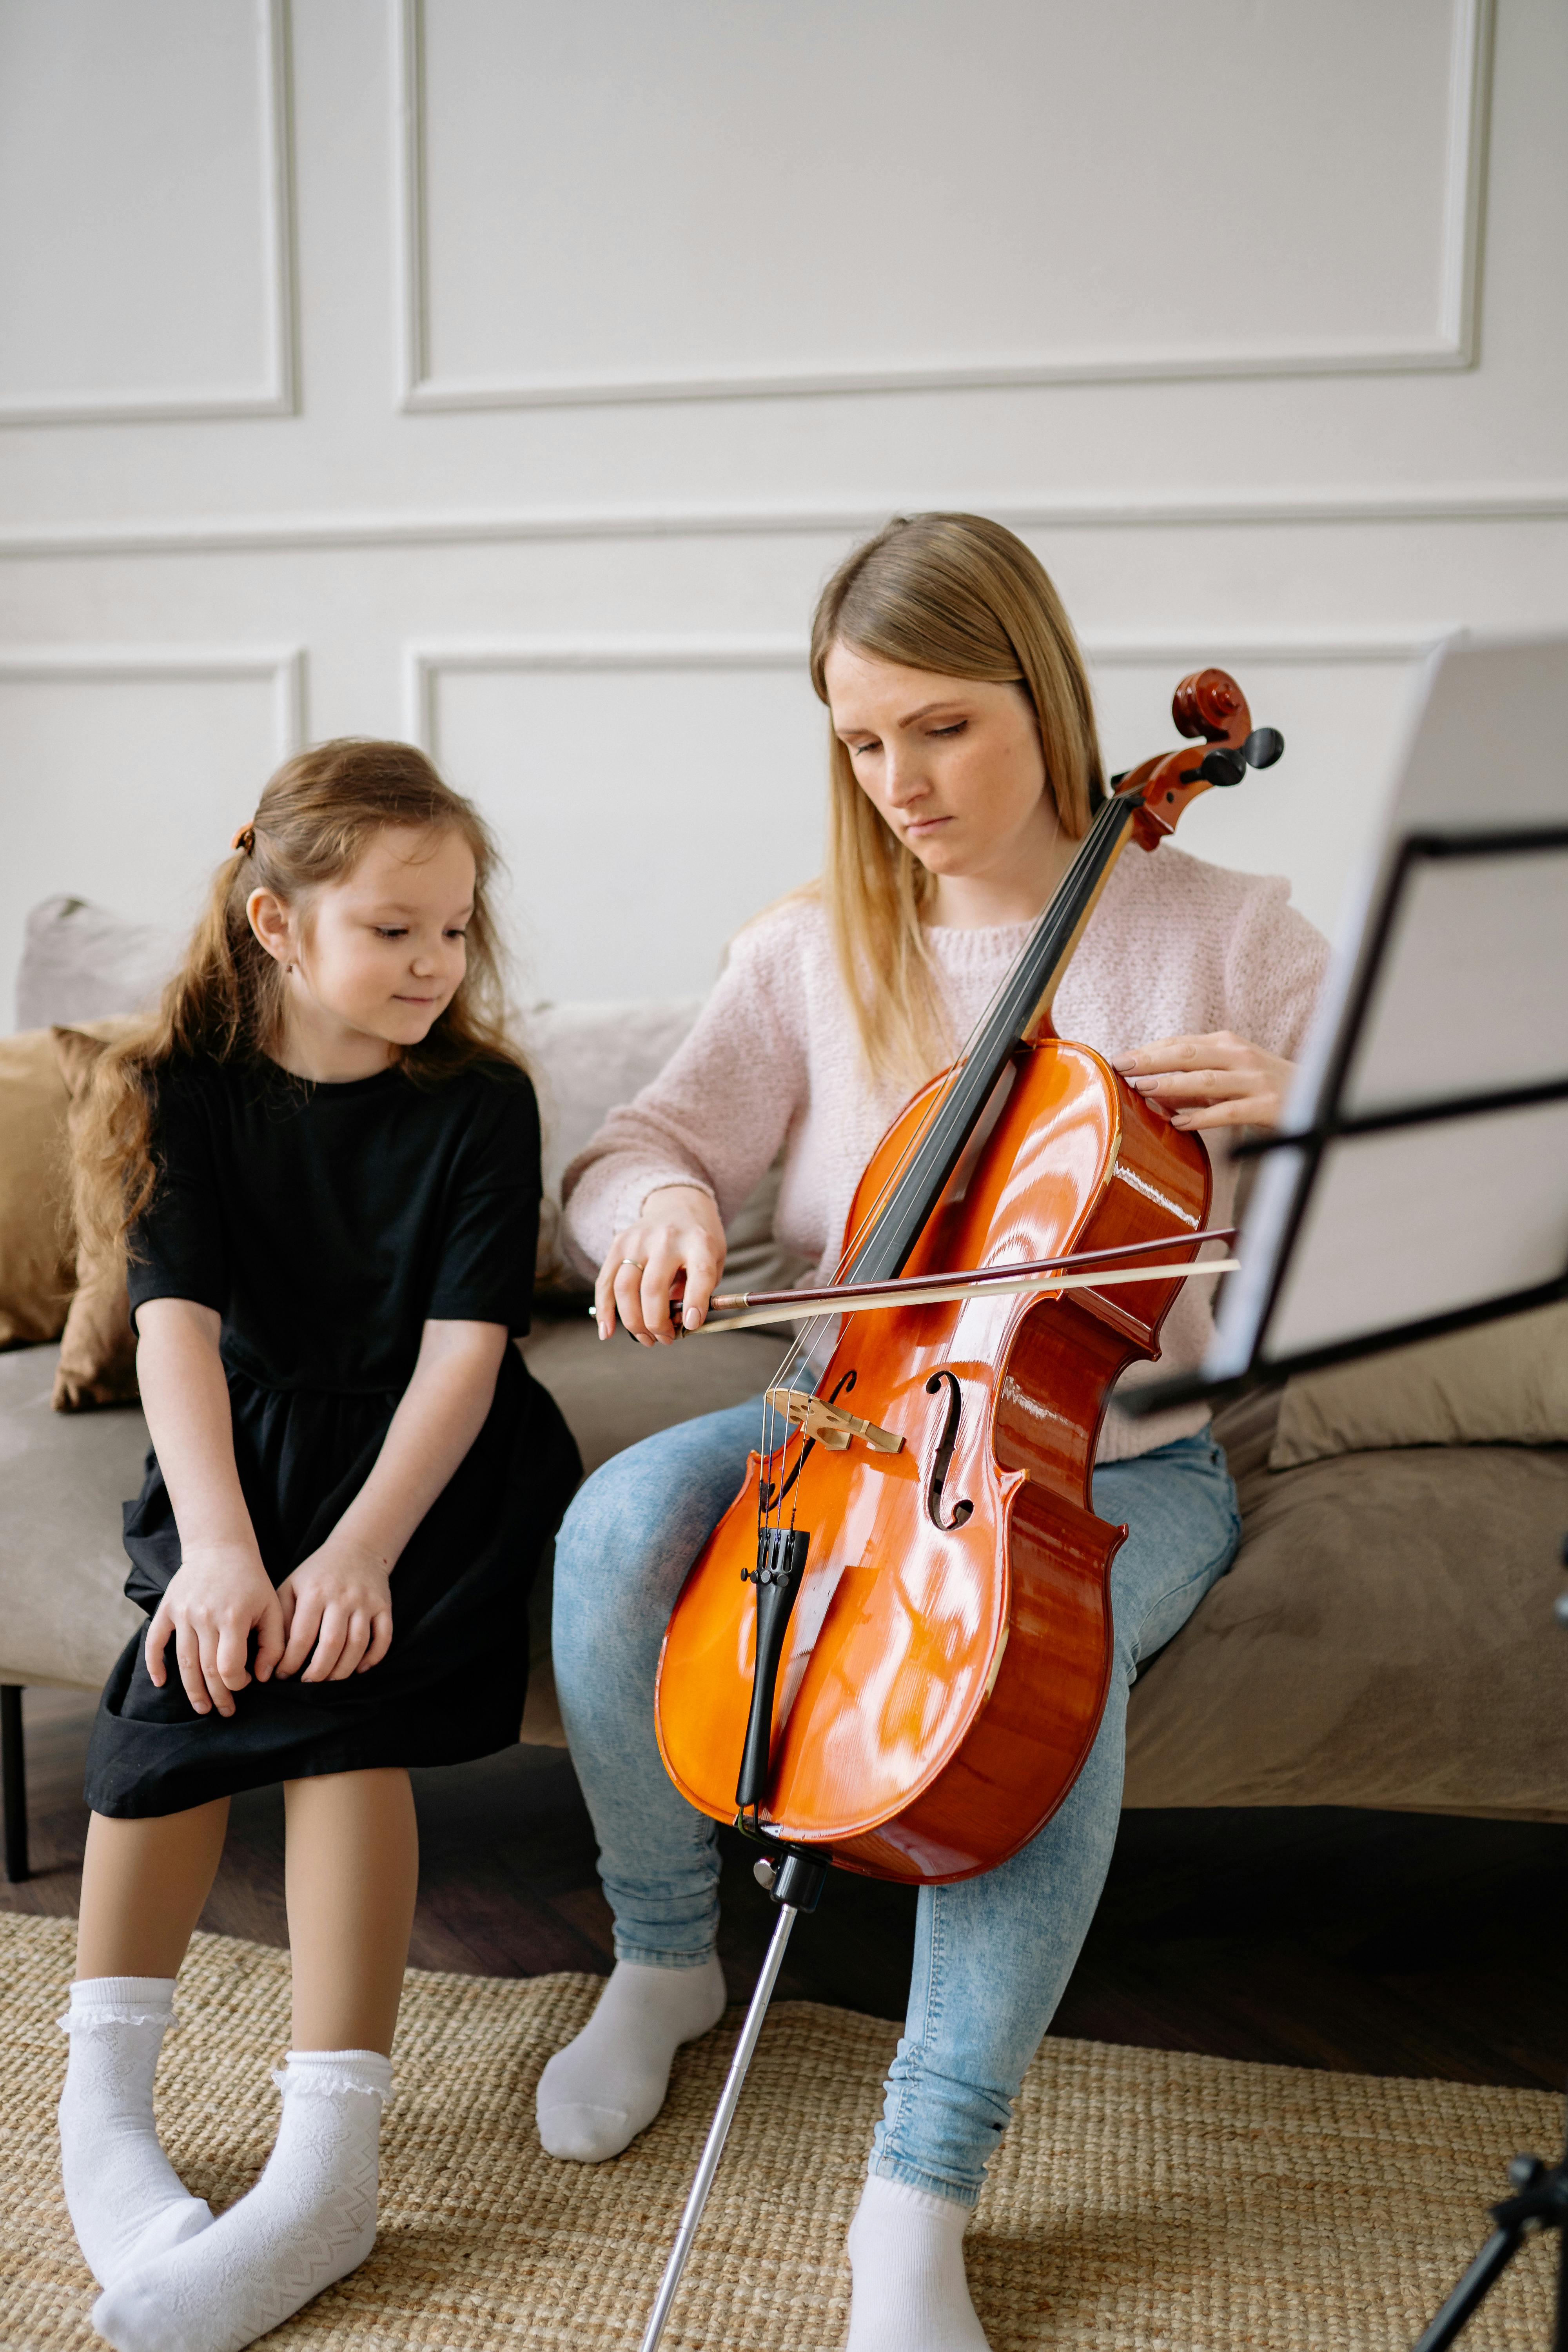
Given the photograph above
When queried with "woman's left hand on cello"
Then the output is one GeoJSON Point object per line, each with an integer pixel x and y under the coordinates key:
{"type": "Point", "coordinates": [1219, 1080]}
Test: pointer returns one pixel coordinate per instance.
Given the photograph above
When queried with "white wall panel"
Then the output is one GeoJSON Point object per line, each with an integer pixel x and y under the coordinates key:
{"type": "Point", "coordinates": [122, 780]}
{"type": "Point", "coordinates": [144, 208]}
{"type": "Point", "coordinates": [606, 201]}
{"type": "Point", "coordinates": [1041, 213]}
{"type": "Point", "coordinates": [647, 802]}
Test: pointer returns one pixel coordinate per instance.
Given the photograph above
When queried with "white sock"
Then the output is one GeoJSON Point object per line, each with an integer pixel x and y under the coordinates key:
{"type": "Point", "coordinates": [905, 2251]}
{"type": "Point", "coordinates": [126, 2200]}
{"type": "Point", "coordinates": [311, 2218]}
{"type": "Point", "coordinates": [597, 2094]}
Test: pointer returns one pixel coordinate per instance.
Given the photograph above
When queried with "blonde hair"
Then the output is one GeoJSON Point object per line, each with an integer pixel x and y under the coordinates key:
{"type": "Point", "coordinates": [960, 596]}
{"type": "Point", "coordinates": [312, 824]}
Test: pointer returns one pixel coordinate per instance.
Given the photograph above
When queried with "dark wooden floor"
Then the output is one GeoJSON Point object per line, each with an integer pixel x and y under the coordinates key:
{"type": "Point", "coordinates": [1380, 1943]}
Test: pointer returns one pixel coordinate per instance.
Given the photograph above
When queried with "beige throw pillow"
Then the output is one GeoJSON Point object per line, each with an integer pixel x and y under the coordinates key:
{"type": "Point", "coordinates": [98, 1347]}
{"type": "Point", "coordinates": [1503, 1383]}
{"type": "Point", "coordinates": [36, 1244]}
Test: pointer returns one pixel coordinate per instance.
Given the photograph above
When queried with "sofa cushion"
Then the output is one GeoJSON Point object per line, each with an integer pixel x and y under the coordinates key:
{"type": "Point", "coordinates": [1385, 1638]}
{"type": "Point", "coordinates": [98, 1347]}
{"type": "Point", "coordinates": [80, 963]}
{"type": "Point", "coordinates": [63, 1617]}
{"type": "Point", "coordinates": [37, 1245]}
{"type": "Point", "coordinates": [613, 1393]}
{"type": "Point", "coordinates": [1501, 1383]}
{"type": "Point", "coordinates": [586, 1058]}
{"type": "Point", "coordinates": [35, 1249]}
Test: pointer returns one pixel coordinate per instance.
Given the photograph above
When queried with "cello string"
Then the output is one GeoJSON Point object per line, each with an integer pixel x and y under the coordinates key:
{"type": "Point", "coordinates": [1108, 820]}
{"type": "Point", "coordinates": [800, 1352]}
{"type": "Point", "coordinates": [963, 1103]}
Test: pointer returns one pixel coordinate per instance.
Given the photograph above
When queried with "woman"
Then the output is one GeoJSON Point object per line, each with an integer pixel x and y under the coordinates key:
{"type": "Point", "coordinates": [965, 771]}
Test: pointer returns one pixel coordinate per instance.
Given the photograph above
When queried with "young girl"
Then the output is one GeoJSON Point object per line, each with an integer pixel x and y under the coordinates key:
{"type": "Point", "coordinates": [964, 772]}
{"type": "Point", "coordinates": [323, 1159]}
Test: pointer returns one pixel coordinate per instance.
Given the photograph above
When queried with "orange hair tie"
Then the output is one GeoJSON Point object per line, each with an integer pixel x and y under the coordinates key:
{"type": "Point", "coordinates": [244, 839]}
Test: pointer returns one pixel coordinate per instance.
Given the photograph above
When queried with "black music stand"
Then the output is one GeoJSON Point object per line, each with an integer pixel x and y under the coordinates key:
{"type": "Point", "coordinates": [1419, 1183]}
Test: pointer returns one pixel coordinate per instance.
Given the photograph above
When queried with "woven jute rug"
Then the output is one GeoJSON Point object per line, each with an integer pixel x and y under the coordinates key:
{"type": "Point", "coordinates": [1140, 2202]}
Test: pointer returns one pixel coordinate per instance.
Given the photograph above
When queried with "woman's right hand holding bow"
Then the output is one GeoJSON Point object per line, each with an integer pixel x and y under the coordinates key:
{"type": "Point", "coordinates": [676, 1245]}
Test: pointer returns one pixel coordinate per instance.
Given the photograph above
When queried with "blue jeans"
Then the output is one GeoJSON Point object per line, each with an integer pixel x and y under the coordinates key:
{"type": "Point", "coordinates": [993, 1954]}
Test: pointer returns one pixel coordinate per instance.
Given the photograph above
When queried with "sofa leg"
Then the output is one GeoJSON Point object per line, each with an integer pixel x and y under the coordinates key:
{"type": "Point", "coordinates": [14, 1773]}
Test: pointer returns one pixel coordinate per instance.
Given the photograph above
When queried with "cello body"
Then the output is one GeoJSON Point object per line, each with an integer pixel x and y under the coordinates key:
{"type": "Point", "coordinates": [945, 1668]}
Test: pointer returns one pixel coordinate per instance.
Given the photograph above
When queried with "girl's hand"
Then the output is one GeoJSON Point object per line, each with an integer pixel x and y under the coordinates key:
{"type": "Point", "coordinates": [217, 1597]}
{"type": "Point", "coordinates": [1214, 1081]}
{"type": "Point", "coordinates": [338, 1604]}
{"type": "Point", "coordinates": [678, 1233]}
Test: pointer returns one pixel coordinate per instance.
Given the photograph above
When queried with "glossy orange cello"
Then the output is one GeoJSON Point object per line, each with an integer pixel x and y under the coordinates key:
{"type": "Point", "coordinates": [893, 1652]}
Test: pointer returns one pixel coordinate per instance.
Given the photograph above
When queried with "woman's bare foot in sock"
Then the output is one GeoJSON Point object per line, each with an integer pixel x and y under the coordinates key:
{"type": "Point", "coordinates": [910, 2294]}
{"type": "Point", "coordinates": [597, 2094]}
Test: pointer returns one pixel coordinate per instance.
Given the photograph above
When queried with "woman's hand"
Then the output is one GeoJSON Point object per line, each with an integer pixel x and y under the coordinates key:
{"type": "Point", "coordinates": [678, 1233]}
{"type": "Point", "coordinates": [219, 1594]}
{"type": "Point", "coordinates": [338, 1605]}
{"type": "Point", "coordinates": [1214, 1081]}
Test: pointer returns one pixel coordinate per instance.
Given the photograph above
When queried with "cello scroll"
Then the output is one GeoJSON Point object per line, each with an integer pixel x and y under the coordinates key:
{"type": "Point", "coordinates": [1207, 704]}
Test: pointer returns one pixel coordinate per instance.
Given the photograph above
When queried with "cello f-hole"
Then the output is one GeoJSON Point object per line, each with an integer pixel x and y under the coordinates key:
{"type": "Point", "coordinates": [939, 1468]}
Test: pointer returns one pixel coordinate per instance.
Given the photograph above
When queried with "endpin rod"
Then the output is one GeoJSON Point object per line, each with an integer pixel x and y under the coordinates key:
{"type": "Point", "coordinates": [718, 2130]}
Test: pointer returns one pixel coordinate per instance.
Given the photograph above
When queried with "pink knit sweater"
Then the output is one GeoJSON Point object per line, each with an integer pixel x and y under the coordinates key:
{"type": "Point", "coordinates": [1175, 946]}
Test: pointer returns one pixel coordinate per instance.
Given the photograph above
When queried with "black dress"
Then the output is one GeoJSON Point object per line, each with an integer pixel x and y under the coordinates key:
{"type": "Point", "coordinates": [325, 1223]}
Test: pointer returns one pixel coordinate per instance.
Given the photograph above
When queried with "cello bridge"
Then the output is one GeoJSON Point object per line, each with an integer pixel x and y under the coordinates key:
{"type": "Point", "coordinates": [830, 1425]}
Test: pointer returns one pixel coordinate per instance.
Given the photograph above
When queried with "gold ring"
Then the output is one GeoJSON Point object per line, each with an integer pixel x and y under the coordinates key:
{"type": "Point", "coordinates": [634, 1261]}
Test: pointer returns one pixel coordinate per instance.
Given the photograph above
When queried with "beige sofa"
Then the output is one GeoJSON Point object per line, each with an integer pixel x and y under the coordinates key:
{"type": "Point", "coordinates": [1385, 1638]}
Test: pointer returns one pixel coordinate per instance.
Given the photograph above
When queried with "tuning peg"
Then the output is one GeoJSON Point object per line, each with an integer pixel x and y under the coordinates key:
{"type": "Point", "coordinates": [1263, 746]}
{"type": "Point", "coordinates": [1224, 767]}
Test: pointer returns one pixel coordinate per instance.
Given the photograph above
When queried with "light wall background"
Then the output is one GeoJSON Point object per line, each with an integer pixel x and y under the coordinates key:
{"type": "Point", "coordinates": [511, 375]}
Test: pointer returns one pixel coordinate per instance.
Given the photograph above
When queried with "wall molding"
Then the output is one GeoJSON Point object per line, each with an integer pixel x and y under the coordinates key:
{"type": "Point", "coordinates": [1453, 345]}
{"type": "Point", "coordinates": [280, 667]}
{"type": "Point", "coordinates": [278, 394]}
{"type": "Point", "coordinates": [394, 526]}
{"type": "Point", "coordinates": [425, 663]}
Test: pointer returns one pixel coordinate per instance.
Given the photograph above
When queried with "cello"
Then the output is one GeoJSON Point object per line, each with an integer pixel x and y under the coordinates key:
{"type": "Point", "coordinates": [892, 1654]}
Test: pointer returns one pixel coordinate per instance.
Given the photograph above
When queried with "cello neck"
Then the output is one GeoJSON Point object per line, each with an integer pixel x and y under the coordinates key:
{"type": "Point", "coordinates": [1044, 963]}
{"type": "Point", "coordinates": [1021, 1010]}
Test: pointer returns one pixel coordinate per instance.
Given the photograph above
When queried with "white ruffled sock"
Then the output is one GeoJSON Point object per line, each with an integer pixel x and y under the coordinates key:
{"type": "Point", "coordinates": [126, 2200]}
{"type": "Point", "coordinates": [905, 2251]}
{"type": "Point", "coordinates": [597, 2094]}
{"type": "Point", "coordinates": [311, 2218]}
